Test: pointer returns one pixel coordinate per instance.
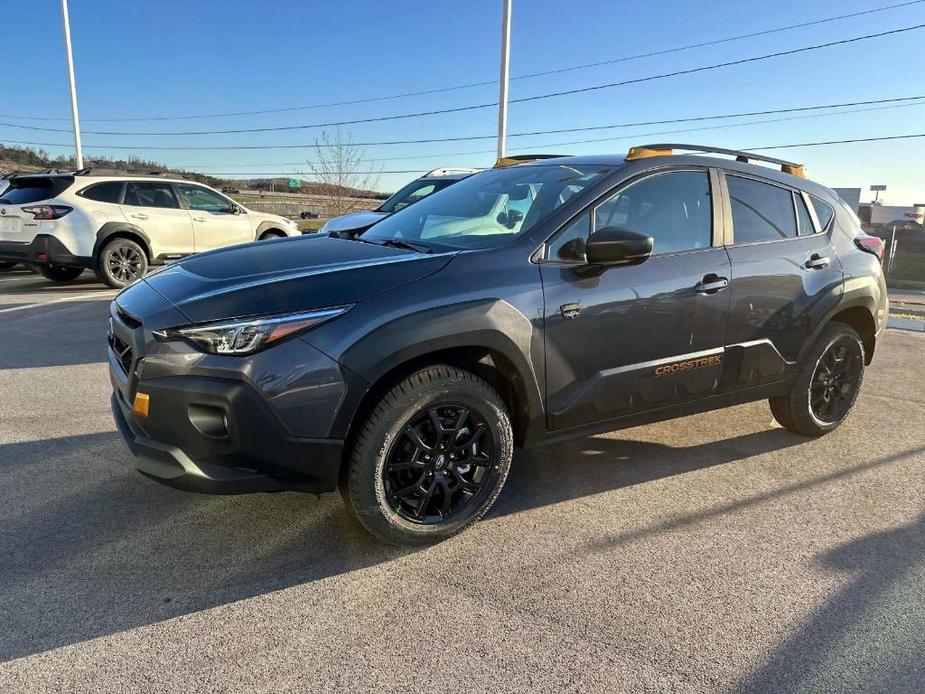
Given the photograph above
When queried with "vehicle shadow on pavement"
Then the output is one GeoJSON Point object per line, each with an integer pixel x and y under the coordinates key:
{"type": "Point", "coordinates": [91, 547]}
{"type": "Point", "coordinates": [579, 468]}
{"type": "Point", "coordinates": [33, 283]}
{"type": "Point", "coordinates": [60, 334]}
{"type": "Point", "coordinates": [870, 636]}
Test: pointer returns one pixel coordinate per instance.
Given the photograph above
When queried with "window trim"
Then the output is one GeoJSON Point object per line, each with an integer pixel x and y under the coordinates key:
{"type": "Point", "coordinates": [119, 198]}
{"type": "Point", "coordinates": [812, 211]}
{"type": "Point", "coordinates": [730, 238]}
{"type": "Point", "coordinates": [718, 223]}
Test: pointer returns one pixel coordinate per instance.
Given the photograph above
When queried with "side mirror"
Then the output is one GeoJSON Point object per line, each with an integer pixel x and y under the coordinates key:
{"type": "Point", "coordinates": [236, 210]}
{"type": "Point", "coordinates": [617, 246]}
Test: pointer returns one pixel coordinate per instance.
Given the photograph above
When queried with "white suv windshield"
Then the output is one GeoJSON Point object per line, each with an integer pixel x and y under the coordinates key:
{"type": "Point", "coordinates": [487, 209]}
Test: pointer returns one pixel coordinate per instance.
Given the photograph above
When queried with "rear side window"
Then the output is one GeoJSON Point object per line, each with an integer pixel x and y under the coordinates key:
{"type": "Point", "coordinates": [760, 211]}
{"type": "Point", "coordinates": [22, 191]}
{"type": "Point", "coordinates": [150, 194]}
{"type": "Point", "coordinates": [109, 191]}
{"type": "Point", "coordinates": [803, 219]}
{"type": "Point", "coordinates": [824, 212]}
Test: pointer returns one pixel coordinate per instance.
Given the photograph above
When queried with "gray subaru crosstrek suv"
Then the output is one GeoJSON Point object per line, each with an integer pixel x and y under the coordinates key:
{"type": "Point", "coordinates": [519, 306]}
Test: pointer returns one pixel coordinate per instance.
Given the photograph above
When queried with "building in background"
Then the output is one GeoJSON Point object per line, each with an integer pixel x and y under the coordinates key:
{"type": "Point", "coordinates": [887, 216]}
{"type": "Point", "coordinates": [852, 196]}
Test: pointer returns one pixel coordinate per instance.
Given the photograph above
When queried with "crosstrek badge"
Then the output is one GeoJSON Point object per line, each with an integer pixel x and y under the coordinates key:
{"type": "Point", "coordinates": [688, 364]}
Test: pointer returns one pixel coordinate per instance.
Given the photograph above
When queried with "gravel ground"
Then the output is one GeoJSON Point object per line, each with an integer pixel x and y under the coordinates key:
{"type": "Point", "coordinates": [715, 553]}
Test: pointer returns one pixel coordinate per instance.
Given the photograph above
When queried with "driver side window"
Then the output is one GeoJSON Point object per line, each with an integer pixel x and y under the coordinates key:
{"type": "Point", "coordinates": [673, 207]}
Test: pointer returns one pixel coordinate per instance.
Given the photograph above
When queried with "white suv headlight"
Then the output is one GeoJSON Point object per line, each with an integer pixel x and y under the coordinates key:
{"type": "Point", "coordinates": [247, 335]}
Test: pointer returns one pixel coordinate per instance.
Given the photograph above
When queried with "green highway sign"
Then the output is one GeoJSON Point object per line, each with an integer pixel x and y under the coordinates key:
{"type": "Point", "coordinates": [295, 183]}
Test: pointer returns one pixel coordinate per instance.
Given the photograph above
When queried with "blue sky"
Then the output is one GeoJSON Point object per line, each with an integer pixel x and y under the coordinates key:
{"type": "Point", "coordinates": [171, 58]}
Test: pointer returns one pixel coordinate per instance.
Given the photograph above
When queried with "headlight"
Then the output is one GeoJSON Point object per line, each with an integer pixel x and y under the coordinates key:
{"type": "Point", "coordinates": [247, 335]}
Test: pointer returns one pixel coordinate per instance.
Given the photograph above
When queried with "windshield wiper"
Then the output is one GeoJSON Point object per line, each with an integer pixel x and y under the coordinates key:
{"type": "Point", "coordinates": [398, 243]}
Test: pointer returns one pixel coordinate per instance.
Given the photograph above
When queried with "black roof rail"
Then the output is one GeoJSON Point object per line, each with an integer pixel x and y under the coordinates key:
{"type": "Point", "coordinates": [102, 171]}
{"type": "Point", "coordinates": [666, 150]}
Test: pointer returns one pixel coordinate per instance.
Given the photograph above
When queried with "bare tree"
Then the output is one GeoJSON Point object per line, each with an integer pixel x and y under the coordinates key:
{"type": "Point", "coordinates": [341, 172]}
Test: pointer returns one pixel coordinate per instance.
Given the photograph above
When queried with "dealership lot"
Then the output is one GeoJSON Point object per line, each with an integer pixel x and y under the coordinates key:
{"type": "Point", "coordinates": [715, 552]}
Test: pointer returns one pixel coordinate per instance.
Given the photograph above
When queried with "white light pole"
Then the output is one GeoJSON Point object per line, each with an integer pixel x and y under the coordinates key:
{"type": "Point", "coordinates": [70, 76]}
{"type": "Point", "coordinates": [505, 59]}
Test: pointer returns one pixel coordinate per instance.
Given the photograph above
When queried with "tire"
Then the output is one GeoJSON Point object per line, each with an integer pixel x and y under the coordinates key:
{"type": "Point", "coordinates": [121, 262]}
{"type": "Point", "coordinates": [827, 385]}
{"type": "Point", "coordinates": [272, 234]}
{"type": "Point", "coordinates": [58, 274]}
{"type": "Point", "coordinates": [469, 468]}
{"type": "Point", "coordinates": [6, 265]}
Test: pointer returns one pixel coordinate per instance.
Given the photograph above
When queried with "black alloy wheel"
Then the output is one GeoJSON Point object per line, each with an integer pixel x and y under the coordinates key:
{"type": "Point", "coordinates": [442, 462]}
{"type": "Point", "coordinates": [826, 385]}
{"type": "Point", "coordinates": [835, 382]}
{"type": "Point", "coordinates": [430, 457]}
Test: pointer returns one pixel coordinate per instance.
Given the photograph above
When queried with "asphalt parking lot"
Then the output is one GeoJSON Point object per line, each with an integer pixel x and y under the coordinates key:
{"type": "Point", "coordinates": [712, 553]}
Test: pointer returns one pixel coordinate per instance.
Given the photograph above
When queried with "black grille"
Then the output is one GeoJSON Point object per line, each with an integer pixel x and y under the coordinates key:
{"type": "Point", "coordinates": [123, 353]}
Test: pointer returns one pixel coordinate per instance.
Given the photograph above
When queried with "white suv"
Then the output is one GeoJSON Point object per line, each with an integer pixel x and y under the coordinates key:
{"type": "Point", "coordinates": [119, 224]}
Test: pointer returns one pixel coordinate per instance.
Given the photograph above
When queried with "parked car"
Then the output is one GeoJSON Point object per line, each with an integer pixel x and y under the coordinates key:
{"type": "Point", "coordinates": [119, 224]}
{"type": "Point", "coordinates": [308, 214]}
{"type": "Point", "coordinates": [406, 364]}
{"type": "Point", "coordinates": [229, 190]}
{"type": "Point", "coordinates": [428, 184]}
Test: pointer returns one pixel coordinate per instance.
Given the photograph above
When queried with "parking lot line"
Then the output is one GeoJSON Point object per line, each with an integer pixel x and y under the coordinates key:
{"type": "Point", "coordinates": [55, 301]}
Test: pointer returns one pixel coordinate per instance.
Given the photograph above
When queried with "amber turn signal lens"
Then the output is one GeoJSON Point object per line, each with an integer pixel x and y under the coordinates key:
{"type": "Point", "coordinates": [140, 406]}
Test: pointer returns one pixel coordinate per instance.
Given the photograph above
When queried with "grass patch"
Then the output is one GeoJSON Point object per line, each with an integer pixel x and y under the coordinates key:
{"type": "Point", "coordinates": [310, 224]}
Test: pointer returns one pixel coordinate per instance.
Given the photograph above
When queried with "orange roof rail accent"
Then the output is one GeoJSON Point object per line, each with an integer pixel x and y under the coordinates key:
{"type": "Point", "coordinates": [646, 152]}
{"type": "Point", "coordinates": [666, 150]}
{"type": "Point", "coordinates": [513, 159]}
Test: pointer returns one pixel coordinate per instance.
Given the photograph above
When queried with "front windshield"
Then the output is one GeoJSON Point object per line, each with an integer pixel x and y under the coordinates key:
{"type": "Point", "coordinates": [487, 209]}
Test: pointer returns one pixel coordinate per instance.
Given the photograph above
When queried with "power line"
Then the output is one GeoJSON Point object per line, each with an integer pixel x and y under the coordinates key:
{"type": "Point", "coordinates": [753, 149]}
{"type": "Point", "coordinates": [612, 126]}
{"type": "Point", "coordinates": [787, 146]}
{"type": "Point", "coordinates": [842, 142]}
{"type": "Point", "coordinates": [474, 107]}
{"type": "Point", "coordinates": [634, 136]}
{"type": "Point", "coordinates": [438, 90]}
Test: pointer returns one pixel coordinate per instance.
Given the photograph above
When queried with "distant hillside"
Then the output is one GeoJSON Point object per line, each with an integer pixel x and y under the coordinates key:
{"type": "Point", "coordinates": [28, 160]}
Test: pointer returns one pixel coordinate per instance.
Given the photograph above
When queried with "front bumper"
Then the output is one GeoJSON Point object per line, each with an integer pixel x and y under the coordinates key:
{"type": "Point", "coordinates": [44, 249]}
{"type": "Point", "coordinates": [251, 454]}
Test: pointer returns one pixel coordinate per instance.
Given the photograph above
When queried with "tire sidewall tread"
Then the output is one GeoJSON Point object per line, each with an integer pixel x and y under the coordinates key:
{"type": "Point", "coordinates": [101, 265]}
{"type": "Point", "coordinates": [364, 490]}
{"type": "Point", "coordinates": [794, 411]}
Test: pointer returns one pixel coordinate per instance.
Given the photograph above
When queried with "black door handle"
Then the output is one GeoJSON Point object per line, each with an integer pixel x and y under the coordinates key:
{"type": "Point", "coordinates": [817, 262]}
{"type": "Point", "coordinates": [710, 284]}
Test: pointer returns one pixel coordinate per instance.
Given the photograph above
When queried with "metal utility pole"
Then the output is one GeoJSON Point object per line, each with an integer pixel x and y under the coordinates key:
{"type": "Point", "coordinates": [70, 75]}
{"type": "Point", "coordinates": [505, 59]}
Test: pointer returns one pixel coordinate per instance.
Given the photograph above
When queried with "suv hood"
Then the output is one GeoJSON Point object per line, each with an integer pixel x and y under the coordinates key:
{"type": "Point", "coordinates": [287, 275]}
{"type": "Point", "coordinates": [354, 220]}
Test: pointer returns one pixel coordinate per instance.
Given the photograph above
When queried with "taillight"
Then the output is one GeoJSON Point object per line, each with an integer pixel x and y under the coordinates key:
{"type": "Point", "coordinates": [48, 211]}
{"type": "Point", "coordinates": [870, 244]}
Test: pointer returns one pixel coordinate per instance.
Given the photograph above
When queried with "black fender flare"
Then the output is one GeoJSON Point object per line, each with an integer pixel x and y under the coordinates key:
{"type": "Point", "coordinates": [110, 229]}
{"type": "Point", "coordinates": [851, 299]}
{"type": "Point", "coordinates": [490, 324]}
